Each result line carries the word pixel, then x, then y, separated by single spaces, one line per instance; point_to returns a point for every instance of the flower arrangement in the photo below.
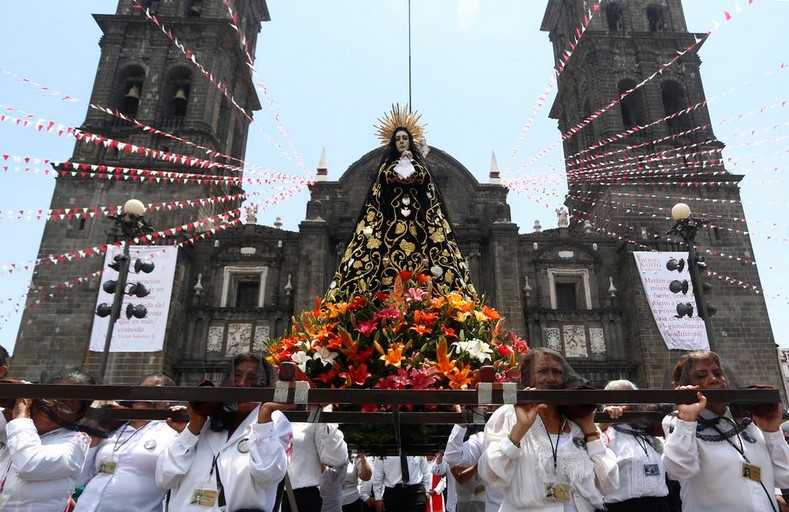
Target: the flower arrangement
pixel 414 337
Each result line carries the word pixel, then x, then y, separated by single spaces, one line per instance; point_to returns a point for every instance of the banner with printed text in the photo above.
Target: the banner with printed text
pixel 678 333
pixel 138 334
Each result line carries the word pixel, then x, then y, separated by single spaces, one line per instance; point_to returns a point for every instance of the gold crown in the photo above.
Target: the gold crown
pixel 400 118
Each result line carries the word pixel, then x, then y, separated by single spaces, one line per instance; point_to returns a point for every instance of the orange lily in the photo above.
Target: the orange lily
pixel 458 302
pixel 443 363
pixel 394 355
pixel 491 313
pixel 338 308
pixel 461 316
pixel 449 332
pixel 438 302
pixel 420 329
pixel 459 377
pixel 421 317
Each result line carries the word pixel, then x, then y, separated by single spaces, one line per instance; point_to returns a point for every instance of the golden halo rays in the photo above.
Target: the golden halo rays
pixel 400 118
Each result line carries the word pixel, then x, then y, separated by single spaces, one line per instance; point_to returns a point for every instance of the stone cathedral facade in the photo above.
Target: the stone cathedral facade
pixel 575 288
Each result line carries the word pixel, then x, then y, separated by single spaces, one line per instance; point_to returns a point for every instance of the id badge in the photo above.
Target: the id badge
pixel 651 470
pixel 107 466
pixel 478 489
pixel 557 491
pixel 752 472
pixel 203 497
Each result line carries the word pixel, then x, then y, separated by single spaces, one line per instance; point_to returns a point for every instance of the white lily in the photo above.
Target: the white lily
pixel 479 350
pixel 326 356
pixel 300 358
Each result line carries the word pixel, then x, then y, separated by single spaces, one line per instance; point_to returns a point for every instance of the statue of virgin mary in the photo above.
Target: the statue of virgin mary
pixel 403 227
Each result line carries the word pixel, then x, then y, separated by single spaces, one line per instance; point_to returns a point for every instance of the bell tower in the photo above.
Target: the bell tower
pixel 637 139
pixel 168 125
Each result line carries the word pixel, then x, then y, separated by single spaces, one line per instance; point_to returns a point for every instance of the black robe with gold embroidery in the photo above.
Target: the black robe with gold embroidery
pixel 403 225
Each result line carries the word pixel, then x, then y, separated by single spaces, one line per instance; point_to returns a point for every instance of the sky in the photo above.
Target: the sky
pixel 331 69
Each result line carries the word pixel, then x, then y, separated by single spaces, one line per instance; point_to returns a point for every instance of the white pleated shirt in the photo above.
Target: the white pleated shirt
pixel 132 485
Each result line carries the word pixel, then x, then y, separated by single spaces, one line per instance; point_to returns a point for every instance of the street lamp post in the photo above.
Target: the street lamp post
pixel 687 227
pixel 131 224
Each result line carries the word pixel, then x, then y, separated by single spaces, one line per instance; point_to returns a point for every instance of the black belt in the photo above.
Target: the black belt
pixel 405 486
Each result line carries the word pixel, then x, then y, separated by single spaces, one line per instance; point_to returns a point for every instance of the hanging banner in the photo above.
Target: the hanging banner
pixel 678 333
pixel 138 334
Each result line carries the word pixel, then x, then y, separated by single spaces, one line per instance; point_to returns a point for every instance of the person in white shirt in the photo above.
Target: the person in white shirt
pixel 462 456
pixel 438 483
pixel 359 470
pixel 313 444
pixel 723 461
pixel 366 490
pixel 400 489
pixel 234 460
pixel 332 479
pixel 44 456
pixel 642 477
pixel 124 464
pixel 470 490
pixel 544 460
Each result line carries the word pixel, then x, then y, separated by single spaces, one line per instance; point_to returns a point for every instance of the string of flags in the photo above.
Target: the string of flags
pixel 691 108
pixel 144 127
pixel 661 69
pixel 552 81
pixel 222 87
pixel 206 223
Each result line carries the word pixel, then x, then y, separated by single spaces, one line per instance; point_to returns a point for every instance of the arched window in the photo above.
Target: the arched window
pixel 151 6
pixel 632 105
pixel 176 97
pixel 675 100
pixel 129 90
pixel 194 8
pixel 614 15
pixel 656 18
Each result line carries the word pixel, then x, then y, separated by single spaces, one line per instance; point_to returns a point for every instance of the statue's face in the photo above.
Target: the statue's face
pixel 402 140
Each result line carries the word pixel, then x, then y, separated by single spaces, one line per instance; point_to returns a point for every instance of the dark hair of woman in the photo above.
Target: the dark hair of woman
pixel 571 377
pixel 226 418
pixel 685 365
pixel 76 375
pixel 159 379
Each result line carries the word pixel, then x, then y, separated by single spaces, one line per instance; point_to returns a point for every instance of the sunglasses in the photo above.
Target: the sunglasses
pixel 59 406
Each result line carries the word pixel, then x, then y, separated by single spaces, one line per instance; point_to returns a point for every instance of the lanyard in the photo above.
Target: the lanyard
pixel 641 438
pixel 555 449
pixel 219 487
pixel 117 446
pixel 740 449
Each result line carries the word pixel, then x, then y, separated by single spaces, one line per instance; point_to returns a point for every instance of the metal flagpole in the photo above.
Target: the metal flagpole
pixel 409 56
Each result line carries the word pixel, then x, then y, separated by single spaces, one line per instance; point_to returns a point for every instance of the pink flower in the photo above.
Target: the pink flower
pixel 388 314
pixel 414 294
pixel 423 378
pixel 367 327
